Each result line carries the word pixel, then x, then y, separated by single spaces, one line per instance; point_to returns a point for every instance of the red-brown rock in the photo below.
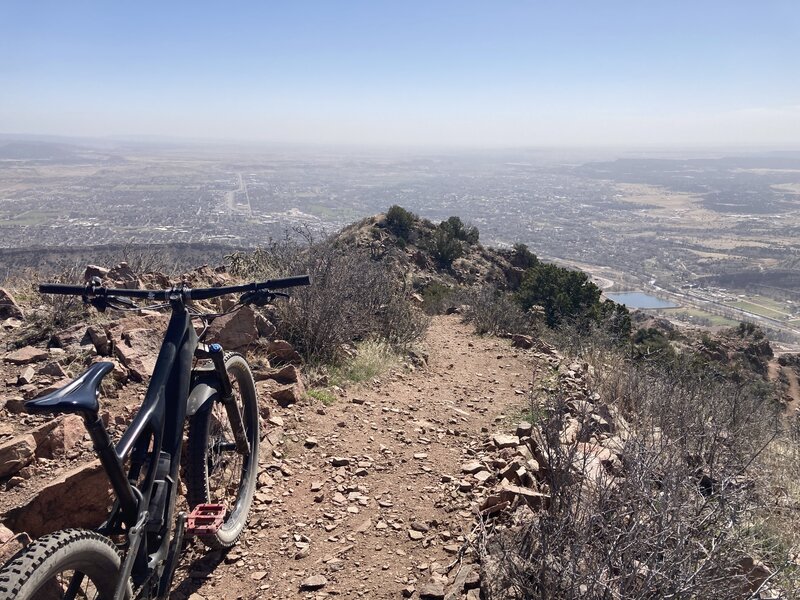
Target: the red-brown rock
pixel 9 309
pixel 235 330
pixel 89 495
pixel 16 453
pixel 26 355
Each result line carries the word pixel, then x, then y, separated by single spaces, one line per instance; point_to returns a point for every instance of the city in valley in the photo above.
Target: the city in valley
pixel 707 238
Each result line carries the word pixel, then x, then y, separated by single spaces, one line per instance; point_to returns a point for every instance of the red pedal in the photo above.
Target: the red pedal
pixel 205 519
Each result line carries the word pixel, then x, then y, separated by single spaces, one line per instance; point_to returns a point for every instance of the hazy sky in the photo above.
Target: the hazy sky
pixel 699 72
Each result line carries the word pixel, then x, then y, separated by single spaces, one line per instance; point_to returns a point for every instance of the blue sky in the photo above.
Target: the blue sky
pixel 431 73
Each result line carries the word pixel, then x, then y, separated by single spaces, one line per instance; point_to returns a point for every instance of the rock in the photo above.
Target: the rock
pixel 16 406
pixel 472 467
pixel 524 429
pixel 93 271
pixel 314 582
pixel 26 376
pixel 71 337
pixel 522 341
pixel 505 441
pixel 234 330
pixel 100 339
pixel 9 309
pixel 123 276
pixel 288 394
pixel 89 495
pixel 415 535
pixel 286 374
pixel 10 543
pixel 283 351
pixel 16 453
pixel 340 461
pixel 52 369
pixel 457 588
pixel 27 355
pixel 138 351
pixel 59 436
pixel 310 442
pixel 433 590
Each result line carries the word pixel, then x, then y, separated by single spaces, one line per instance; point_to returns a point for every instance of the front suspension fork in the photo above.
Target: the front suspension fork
pixel 228 401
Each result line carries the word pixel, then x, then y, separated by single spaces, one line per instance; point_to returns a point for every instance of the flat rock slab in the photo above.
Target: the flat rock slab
pixel 27 355
pixel 505 441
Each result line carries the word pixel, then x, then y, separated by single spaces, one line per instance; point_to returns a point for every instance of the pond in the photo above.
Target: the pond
pixel 640 300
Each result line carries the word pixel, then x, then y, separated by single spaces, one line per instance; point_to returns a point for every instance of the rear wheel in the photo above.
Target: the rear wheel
pixel 216 473
pixel 73 563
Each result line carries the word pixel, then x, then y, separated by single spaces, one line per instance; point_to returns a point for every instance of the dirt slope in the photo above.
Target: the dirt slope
pixel 381 524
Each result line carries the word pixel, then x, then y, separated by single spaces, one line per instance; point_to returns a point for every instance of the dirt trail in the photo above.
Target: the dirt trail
pixel 403 437
pixel 793 401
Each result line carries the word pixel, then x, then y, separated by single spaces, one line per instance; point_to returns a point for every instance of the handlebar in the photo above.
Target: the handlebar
pixel 185 293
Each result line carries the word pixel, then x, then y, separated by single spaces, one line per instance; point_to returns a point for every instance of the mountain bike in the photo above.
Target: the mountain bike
pixel 134 553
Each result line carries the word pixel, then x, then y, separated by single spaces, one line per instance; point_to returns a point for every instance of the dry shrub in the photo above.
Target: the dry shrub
pixel 46 314
pixel 494 312
pixel 677 518
pixel 352 297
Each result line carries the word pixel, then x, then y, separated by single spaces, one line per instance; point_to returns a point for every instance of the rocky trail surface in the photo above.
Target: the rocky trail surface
pixel 369 497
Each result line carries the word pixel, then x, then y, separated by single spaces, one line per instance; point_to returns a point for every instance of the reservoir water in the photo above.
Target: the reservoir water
pixel 640 300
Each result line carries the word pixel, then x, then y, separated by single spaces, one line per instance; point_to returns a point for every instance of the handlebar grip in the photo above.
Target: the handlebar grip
pixel 287 282
pixel 58 288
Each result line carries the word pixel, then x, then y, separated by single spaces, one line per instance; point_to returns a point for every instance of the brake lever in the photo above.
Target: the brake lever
pixel 261 297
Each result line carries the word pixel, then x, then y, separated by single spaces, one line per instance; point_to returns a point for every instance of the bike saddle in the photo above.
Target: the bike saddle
pixel 78 396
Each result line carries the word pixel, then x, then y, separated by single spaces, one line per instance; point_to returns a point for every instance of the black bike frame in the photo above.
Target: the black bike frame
pixel 145 506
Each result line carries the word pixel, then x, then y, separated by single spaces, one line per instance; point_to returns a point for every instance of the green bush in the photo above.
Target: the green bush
pixel 400 222
pixel 455 228
pixel 445 248
pixel 523 258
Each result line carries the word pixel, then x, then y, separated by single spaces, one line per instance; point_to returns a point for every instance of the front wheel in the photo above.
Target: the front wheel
pixel 73 563
pixel 215 472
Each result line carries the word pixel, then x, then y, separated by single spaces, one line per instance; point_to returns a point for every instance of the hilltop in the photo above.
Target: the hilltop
pixel 443 420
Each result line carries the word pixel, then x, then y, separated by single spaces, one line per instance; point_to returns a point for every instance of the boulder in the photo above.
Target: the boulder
pixel 93 271
pixel 283 351
pixel 89 495
pixel 16 453
pixel 100 339
pixel 58 436
pixel 286 374
pixel 27 355
pixel 522 341
pixel 124 277
pixel 71 337
pixel 235 330
pixel 9 309
pixel 138 351
pixel 288 394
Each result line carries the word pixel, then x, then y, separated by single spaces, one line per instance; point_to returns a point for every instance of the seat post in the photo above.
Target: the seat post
pixel 112 465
